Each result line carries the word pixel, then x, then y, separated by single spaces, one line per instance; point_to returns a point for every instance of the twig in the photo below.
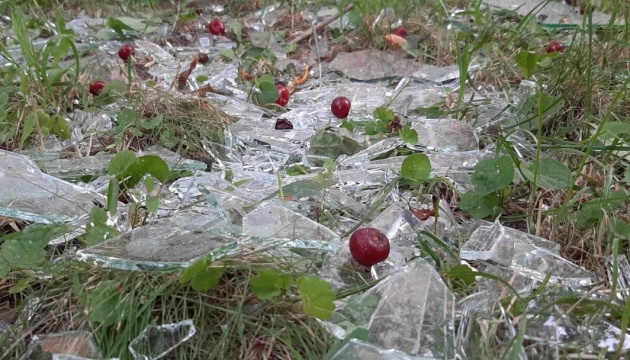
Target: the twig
pixel 319 26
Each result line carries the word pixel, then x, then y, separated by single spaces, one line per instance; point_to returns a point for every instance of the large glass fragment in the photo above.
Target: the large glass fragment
pixel 359 350
pixel 30 195
pixel 156 341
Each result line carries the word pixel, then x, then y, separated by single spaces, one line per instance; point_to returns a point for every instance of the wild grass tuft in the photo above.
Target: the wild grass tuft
pixel 115 306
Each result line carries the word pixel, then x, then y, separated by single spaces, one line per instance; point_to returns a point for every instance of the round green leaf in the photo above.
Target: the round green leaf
pixel 416 167
pixel 552 174
pixel 492 175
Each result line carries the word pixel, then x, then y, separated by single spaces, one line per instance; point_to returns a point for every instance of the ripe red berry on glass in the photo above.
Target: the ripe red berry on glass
pixel 216 27
pixel 126 51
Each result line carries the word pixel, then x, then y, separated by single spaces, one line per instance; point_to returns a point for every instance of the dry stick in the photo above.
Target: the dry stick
pixel 319 26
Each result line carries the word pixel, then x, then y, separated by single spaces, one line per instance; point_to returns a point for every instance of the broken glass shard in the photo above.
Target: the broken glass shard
pixel 609 338
pixel 97 165
pixel 555 12
pixel 273 220
pixel 156 341
pixel 445 135
pixel 374 64
pixel 168 243
pixel 173 243
pixel 619 269
pixel 30 195
pixel 292 142
pixel 488 243
pixel 528 255
pixel 359 350
pixel 419 320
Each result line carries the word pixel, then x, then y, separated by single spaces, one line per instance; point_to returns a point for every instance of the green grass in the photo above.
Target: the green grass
pixel 231 322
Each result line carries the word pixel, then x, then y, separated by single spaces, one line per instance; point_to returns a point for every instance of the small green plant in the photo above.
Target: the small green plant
pixel 316 294
pixel 385 122
pixel 39 87
pixel 267 92
pixel 25 250
pixel 128 124
pixel 490 178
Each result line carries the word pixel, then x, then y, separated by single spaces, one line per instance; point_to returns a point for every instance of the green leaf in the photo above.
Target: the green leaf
pixel 208 279
pixel 620 228
pixel 551 106
pixel 376 127
pixel 615 129
pixel 4 99
pixel 409 135
pixel 25 249
pixel 201 79
pixel 150 124
pixel 29 126
pixel 125 117
pixel 20 286
pixel 105 303
pixel 228 54
pixel 153 203
pixel 97 230
pixel 317 297
pixel 194 269
pixel 113 191
pixel 59 126
pixel 236 28
pixel 201 275
pixel 383 113
pixel 122 24
pixel 416 168
pixel 347 125
pixel 169 139
pixel 119 164
pixel 480 206
pixel 270 283
pixel 4 269
pixel 330 167
pixel 118 26
pixel 553 174
pixel 333 142
pixel 22 254
pixel 527 62
pixel 463 272
pixel 268 93
pixel 149 183
pixel 147 164
pixel 492 175
pixel 355 18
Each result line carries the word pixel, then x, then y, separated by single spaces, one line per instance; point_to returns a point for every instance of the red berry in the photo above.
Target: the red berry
pixel 401 32
pixel 555 46
pixel 283 124
pixel 126 51
pixel 96 87
pixel 585 9
pixel 198 11
pixel 340 107
pixel 369 246
pixel 203 58
pixel 216 27
pixel 283 95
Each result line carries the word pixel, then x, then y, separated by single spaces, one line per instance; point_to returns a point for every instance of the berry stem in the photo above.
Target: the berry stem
pixel 129 74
